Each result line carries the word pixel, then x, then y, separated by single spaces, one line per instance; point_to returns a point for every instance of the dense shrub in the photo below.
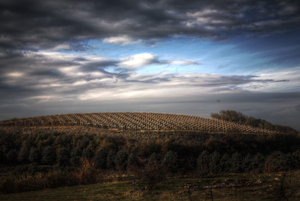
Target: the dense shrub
pixel 35 156
pixel 88 154
pixel 76 156
pixel 279 161
pixel 63 156
pixel 203 163
pixel 257 164
pixel 111 159
pixel 49 155
pixel 132 160
pixel 170 162
pixel 121 160
pixel 100 159
pixel 236 163
pixel 214 163
pixel 23 155
pixel 12 156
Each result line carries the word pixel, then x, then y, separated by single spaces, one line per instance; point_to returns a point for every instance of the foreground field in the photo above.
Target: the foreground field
pixel 231 187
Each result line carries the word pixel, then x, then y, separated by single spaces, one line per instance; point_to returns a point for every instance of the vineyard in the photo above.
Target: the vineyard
pixel 135 121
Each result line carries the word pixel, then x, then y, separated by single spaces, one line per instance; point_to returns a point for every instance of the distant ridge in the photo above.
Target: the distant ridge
pixel 136 121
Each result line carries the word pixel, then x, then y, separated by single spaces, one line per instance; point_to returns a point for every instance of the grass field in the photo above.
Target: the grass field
pixel 232 187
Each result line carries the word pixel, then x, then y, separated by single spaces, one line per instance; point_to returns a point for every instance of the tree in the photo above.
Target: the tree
pixel 35 156
pixel 132 160
pixel 63 156
pixel 49 155
pixel 257 164
pixel 152 173
pixel 88 154
pixel 236 163
pixel 111 159
pixel 75 157
pixel 101 159
pixel 12 156
pixel 214 163
pixel 23 155
pixel 153 157
pixel 203 163
pixel 121 160
pixel 170 162
pixel 279 161
pixel 225 163
pixel 2 158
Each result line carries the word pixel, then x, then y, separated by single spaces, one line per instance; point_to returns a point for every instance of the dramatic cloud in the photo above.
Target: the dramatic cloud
pixel 122 40
pixel 109 51
pixel 39 24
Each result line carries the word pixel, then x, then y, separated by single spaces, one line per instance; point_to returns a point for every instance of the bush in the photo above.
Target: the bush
pixel 258 163
pixel 225 163
pixel 214 163
pixel 153 157
pixel 76 156
pixel 132 160
pixel 101 159
pixel 88 154
pixel 63 157
pixel 203 163
pixel 35 156
pixel 170 162
pixel 111 159
pixel 12 156
pixel 49 155
pixel 2 158
pixel 279 161
pixel 236 163
pixel 121 160
pixel 23 155
pixel 152 173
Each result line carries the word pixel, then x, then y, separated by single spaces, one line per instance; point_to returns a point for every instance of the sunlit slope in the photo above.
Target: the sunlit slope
pixel 135 121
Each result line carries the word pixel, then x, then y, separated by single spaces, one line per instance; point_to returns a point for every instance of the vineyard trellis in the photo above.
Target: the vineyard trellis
pixel 136 121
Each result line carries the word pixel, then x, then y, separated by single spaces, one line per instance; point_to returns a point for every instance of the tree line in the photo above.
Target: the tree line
pixel 238 117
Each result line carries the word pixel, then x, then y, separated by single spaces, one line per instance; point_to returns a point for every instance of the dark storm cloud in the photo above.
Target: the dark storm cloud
pixel 33 24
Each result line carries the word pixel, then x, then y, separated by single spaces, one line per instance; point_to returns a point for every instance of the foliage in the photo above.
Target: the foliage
pixel 238 117
pixel 88 154
pixel 203 163
pixel 12 156
pixel 152 174
pixel 170 162
pixel 49 155
pixel 23 155
pixel 111 159
pixel 132 160
pixel 121 160
pixel 63 156
pixel 76 156
pixel 100 159
pixel 279 161
pixel 35 155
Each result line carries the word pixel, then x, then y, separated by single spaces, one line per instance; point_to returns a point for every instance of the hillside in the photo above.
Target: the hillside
pixel 135 121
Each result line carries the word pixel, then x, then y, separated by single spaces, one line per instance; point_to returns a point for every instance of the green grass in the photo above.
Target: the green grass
pixel 170 189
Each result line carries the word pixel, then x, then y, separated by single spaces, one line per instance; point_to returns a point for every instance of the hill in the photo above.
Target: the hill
pixel 137 121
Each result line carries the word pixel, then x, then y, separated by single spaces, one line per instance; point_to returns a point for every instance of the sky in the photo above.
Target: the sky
pixel 189 57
